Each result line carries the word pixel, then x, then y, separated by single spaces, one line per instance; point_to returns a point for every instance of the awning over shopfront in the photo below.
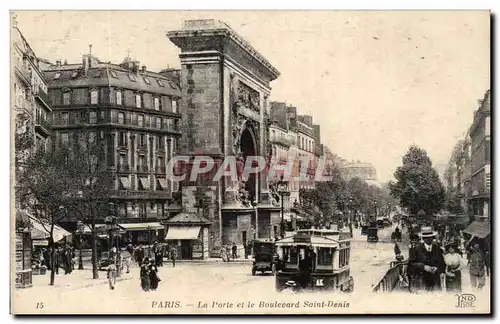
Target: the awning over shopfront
pixel 142 226
pixel 183 232
pixel 41 231
pixel 162 183
pixel 144 183
pixel 478 229
pixel 125 182
pixel 98 228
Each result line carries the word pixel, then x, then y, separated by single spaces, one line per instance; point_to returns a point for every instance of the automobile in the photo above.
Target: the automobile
pixel 372 236
pixel 263 256
pixel 308 261
pixel 364 228
pixel 386 222
pixel 104 261
pixel 372 232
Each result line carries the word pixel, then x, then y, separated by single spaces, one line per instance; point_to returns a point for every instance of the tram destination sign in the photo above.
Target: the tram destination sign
pixel 301 238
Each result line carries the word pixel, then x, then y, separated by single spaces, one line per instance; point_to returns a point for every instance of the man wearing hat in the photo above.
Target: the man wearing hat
pixel 426 262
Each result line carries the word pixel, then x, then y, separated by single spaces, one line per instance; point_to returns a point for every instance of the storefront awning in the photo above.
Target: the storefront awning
pixel 144 183
pixel 478 229
pixel 162 183
pixel 183 232
pixel 88 230
pixel 59 233
pixel 125 182
pixel 142 226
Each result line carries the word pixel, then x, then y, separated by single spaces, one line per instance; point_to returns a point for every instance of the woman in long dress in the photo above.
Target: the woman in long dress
pixel 454 265
pixel 145 277
pixel 153 275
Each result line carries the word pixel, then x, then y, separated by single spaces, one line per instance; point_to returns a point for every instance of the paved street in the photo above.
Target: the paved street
pixel 192 284
pixel 369 261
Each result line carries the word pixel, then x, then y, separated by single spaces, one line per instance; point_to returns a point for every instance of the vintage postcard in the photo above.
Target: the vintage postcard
pixel 250 162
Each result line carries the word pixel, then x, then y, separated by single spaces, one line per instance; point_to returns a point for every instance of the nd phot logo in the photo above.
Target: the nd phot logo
pixel 465 300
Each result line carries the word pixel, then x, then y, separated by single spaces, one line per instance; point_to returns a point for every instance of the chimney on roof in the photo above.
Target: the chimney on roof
pixel 58 63
pixel 85 64
pixel 65 62
pixel 143 68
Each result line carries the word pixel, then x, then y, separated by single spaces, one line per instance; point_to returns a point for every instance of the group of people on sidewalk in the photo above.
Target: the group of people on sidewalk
pixel 149 279
pixel 63 257
pixel 433 265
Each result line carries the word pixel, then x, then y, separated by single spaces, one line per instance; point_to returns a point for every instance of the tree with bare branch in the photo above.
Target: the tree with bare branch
pixel 42 186
pixel 68 181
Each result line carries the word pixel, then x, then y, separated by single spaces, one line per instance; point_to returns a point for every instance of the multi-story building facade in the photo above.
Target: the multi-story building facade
pixel 465 169
pixel 29 105
pixel 284 147
pixel 307 146
pixel 469 172
pixel 480 135
pixel 136 113
pixel 30 100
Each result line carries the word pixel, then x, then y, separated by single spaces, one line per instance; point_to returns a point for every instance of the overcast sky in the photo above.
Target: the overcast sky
pixel 376 81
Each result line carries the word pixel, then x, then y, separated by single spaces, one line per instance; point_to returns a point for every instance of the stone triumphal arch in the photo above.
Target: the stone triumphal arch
pixel 226 87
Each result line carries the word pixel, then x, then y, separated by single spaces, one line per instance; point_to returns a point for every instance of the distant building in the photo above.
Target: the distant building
pixel 362 170
pixel 293 136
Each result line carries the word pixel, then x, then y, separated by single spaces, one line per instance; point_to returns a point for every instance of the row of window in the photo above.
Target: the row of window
pixel 78 96
pixel 306 144
pixel 142 164
pixel 121 118
pixel 131 77
pixel 123 139
pixel 142 209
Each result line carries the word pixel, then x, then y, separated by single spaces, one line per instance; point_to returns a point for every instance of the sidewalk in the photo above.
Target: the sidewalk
pixel 78 279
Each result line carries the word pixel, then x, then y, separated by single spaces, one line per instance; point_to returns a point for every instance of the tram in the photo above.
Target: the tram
pixel 314 260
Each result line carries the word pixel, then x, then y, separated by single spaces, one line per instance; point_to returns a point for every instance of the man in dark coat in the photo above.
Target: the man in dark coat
pixel 426 262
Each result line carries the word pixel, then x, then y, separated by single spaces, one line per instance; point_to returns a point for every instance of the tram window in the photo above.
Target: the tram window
pixel 325 256
pixel 343 258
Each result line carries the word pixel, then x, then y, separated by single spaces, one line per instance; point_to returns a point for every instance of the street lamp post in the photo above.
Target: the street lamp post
pixel 349 215
pixel 79 230
pixel 149 241
pixel 256 211
pixel 112 226
pixel 282 190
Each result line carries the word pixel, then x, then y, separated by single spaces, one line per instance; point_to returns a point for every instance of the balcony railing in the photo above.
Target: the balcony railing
pixel 24 74
pixel 281 140
pixel 161 170
pixel 144 194
pixel 123 167
pixel 42 96
pixel 142 146
pixel 42 125
pixel 115 120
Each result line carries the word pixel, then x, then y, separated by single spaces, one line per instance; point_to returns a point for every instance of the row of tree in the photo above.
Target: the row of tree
pixel 331 199
pixel 68 181
pixel 417 188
